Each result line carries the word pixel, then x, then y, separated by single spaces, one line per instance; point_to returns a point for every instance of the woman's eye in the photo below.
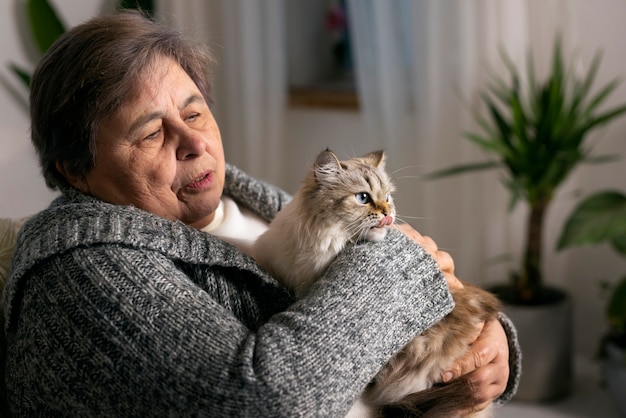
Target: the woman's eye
pixel 153 135
pixel 362 197
pixel 192 117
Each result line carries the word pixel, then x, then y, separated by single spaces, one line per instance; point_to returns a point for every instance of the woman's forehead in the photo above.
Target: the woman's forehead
pixel 162 77
pixel 161 89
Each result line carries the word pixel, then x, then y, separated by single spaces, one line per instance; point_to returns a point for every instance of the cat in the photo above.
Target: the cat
pixel 343 202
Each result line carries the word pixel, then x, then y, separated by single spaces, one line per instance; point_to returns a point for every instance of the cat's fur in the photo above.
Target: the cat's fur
pixel 341 202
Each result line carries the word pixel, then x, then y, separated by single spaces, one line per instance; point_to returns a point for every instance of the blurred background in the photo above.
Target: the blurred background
pixel 297 76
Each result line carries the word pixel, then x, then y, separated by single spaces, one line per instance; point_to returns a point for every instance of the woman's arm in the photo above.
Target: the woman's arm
pixel 113 329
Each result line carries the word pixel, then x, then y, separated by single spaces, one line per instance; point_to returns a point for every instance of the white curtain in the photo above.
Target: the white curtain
pixel 247 37
pixel 419 65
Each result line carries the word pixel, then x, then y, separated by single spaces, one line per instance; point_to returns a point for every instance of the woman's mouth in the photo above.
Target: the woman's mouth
pixel 201 182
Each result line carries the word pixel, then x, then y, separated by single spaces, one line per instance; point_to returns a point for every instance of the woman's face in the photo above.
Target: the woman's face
pixel 162 152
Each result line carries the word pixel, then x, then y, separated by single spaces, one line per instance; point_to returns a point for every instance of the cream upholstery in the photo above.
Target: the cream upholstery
pixel 8 235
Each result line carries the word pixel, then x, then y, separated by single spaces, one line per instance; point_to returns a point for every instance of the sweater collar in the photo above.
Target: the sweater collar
pixel 78 220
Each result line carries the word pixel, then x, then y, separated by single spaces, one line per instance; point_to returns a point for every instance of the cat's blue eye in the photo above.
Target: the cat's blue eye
pixel 362 197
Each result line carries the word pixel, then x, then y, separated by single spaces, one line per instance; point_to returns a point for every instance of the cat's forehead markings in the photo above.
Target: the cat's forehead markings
pixel 368 179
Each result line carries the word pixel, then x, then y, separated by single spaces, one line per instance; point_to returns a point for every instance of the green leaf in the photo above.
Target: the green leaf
pixel 599 218
pixel 581 90
pixel 489 145
pixel 604 118
pixel 463 169
pixel 501 141
pixel 619 244
pixel 601 159
pixel 20 73
pixel 616 308
pixel 143 5
pixel 516 194
pixel 45 24
pixel 599 98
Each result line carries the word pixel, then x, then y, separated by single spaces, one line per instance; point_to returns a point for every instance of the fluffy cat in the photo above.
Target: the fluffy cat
pixel 341 202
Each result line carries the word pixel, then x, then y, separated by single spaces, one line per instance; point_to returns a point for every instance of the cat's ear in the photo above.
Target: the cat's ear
pixel 328 160
pixel 376 158
pixel 326 166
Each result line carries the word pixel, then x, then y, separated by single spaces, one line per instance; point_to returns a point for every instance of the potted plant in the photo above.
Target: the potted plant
pixel 601 218
pixel 535 133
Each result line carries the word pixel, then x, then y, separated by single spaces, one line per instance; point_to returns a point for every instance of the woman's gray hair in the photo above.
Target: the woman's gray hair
pixel 88 73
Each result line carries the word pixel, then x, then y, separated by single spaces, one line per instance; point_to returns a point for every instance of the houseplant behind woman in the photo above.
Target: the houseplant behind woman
pixel 536 135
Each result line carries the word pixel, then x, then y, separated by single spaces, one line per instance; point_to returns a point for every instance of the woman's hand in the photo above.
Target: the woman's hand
pixel 486 365
pixel 443 258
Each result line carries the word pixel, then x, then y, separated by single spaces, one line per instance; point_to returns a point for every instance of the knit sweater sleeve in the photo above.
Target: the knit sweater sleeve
pixel 121 330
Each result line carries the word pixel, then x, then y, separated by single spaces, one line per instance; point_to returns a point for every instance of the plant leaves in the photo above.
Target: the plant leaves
pixel 599 98
pixel 581 90
pixel 604 118
pixel 146 6
pixel 538 137
pixel 45 24
pixel 536 134
pixel 619 244
pixel 599 218
pixel 616 308
pixel 601 159
pixel 490 145
pixel 20 73
pixel 462 169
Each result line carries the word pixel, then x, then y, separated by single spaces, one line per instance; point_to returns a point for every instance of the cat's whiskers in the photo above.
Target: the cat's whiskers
pixel 356 228
pixel 408 167
pixel 416 177
pixel 403 218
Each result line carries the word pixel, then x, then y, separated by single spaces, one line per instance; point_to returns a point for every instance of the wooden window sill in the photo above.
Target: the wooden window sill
pixel 323 98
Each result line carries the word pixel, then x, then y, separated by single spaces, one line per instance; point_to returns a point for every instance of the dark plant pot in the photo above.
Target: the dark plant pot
pixel 545 335
pixel 614 368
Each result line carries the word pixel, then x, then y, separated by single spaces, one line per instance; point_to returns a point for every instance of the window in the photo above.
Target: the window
pixel 319 54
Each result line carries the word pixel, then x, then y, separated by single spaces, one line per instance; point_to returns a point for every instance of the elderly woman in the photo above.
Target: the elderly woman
pixel 120 303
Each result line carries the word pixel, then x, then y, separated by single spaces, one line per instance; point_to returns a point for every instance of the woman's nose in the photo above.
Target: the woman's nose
pixel 190 144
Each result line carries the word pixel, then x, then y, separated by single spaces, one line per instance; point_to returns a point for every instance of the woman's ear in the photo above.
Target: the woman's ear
pixel 78 182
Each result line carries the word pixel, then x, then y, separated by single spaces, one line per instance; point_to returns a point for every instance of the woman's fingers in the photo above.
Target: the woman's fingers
pixel 453 281
pixel 443 258
pixel 486 365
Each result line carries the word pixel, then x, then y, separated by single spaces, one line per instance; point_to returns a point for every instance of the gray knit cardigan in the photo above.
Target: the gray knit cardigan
pixel 111 311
